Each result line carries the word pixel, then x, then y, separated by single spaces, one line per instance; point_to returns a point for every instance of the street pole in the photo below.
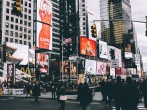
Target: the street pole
pixel 62 59
pixel 146 27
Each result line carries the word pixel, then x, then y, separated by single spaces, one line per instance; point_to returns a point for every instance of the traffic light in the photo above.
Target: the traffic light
pixel 94 31
pixel 17 8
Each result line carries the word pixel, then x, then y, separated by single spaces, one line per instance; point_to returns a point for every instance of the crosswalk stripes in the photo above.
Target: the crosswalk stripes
pixel 140 107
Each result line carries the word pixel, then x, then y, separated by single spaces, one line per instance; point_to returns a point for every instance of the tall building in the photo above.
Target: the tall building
pixel 113 30
pixel 19 29
pixel 72 24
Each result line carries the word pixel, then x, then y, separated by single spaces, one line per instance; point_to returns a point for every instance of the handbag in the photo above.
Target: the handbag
pixel 63 97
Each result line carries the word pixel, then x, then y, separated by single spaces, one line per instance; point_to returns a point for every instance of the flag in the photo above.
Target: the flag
pixel 68 40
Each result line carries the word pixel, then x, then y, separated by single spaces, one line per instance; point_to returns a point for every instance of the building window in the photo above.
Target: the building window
pixel 11 33
pixel 25 3
pixel 12 19
pixel 6 39
pixel 29 17
pixel 8 4
pixel 30 5
pixel 11 39
pixel 16 34
pixel 25 9
pixel 16 20
pixel 25 42
pixel 7 18
pixel 21 22
pixel 25 36
pixel 25 29
pixel 20 41
pixel 25 23
pixel 29 11
pixel 16 27
pixel 16 41
pixel 29 24
pixel 20 35
pixel 7 10
pixel 29 30
pixel 25 16
pixel 6 32
pixel 20 28
pixel 29 37
pixel 7 25
pixel 12 26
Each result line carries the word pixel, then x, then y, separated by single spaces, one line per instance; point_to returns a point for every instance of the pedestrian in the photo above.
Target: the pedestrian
pixel 130 95
pixel 118 89
pixel 53 90
pixel 36 91
pixel 143 89
pixel 61 92
pixel 85 97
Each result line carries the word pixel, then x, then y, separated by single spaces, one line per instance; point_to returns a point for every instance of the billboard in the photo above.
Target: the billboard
pixel 66 70
pixel 44 11
pixel 101 68
pixel 131 71
pixel 42 60
pixel 44 29
pixel 44 36
pixel 73 70
pixel 114 54
pixel 87 46
pixel 103 49
pixel 90 66
pixel 128 55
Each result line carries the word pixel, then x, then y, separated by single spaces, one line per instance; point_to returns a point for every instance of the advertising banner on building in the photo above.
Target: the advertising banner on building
pixel 114 54
pixel 101 68
pixel 44 36
pixel 11 73
pixel 73 70
pixel 66 70
pixel 103 49
pixel 90 66
pixel 87 46
pixel 131 71
pixel 44 23
pixel 42 60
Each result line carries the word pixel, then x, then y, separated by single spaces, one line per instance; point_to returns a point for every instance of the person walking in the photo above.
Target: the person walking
pixel 85 97
pixel 130 95
pixel 36 91
pixel 143 89
pixel 61 92
pixel 53 90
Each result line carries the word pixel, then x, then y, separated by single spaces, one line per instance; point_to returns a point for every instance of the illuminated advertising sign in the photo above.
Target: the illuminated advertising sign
pixel 114 54
pixel 87 46
pixel 44 29
pixel 73 70
pixel 103 49
pixel 10 73
pixel 90 66
pixel 101 68
pixel 42 60
pixel 66 70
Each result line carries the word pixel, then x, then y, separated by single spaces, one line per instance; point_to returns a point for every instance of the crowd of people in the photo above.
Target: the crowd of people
pixel 126 94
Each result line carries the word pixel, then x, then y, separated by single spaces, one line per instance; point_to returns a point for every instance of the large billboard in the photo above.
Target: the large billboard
pixel 87 46
pixel 90 66
pixel 42 60
pixel 44 23
pixel 103 49
pixel 114 54
pixel 44 36
pixel 66 70
pixel 101 68
pixel 73 70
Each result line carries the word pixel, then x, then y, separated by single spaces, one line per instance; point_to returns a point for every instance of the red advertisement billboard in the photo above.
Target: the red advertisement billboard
pixel 44 23
pixel 87 46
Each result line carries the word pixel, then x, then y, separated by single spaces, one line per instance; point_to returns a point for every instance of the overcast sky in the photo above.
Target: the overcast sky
pixel 139 11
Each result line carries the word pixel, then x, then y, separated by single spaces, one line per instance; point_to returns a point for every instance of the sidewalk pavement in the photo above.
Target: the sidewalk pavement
pixel 96 96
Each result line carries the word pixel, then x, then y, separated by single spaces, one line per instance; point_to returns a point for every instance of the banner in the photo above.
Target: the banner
pixel 44 26
pixel 10 73
pixel 73 70
pixel 103 50
pixel 101 68
pixel 90 66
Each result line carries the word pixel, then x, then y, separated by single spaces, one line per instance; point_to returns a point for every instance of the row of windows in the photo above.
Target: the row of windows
pixel 16 41
pixel 24 29
pixel 25 4
pixel 16 34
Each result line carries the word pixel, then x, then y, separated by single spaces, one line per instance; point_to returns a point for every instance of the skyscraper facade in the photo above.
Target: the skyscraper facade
pixel 113 29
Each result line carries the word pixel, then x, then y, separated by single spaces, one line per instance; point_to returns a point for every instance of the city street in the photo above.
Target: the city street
pixel 7 103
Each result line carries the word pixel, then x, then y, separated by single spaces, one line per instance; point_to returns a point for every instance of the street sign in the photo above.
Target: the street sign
pixel 114 63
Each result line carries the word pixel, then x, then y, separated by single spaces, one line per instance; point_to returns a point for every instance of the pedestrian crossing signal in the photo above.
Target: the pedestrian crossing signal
pixel 94 31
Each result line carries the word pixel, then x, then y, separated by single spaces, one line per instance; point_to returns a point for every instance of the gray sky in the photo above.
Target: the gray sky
pixel 139 11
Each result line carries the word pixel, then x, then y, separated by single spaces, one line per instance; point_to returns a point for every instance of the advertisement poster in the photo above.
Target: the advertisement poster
pixel 44 29
pixel 87 46
pixel 103 50
pixel 114 54
pixel 10 73
pixel 73 70
pixel 44 36
pixel 90 66
pixel 101 68
pixel 42 60
pixel 66 69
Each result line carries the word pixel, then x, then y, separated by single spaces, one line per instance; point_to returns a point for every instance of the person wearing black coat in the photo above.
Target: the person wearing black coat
pixel 143 88
pixel 85 96
pixel 36 91
pixel 130 95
